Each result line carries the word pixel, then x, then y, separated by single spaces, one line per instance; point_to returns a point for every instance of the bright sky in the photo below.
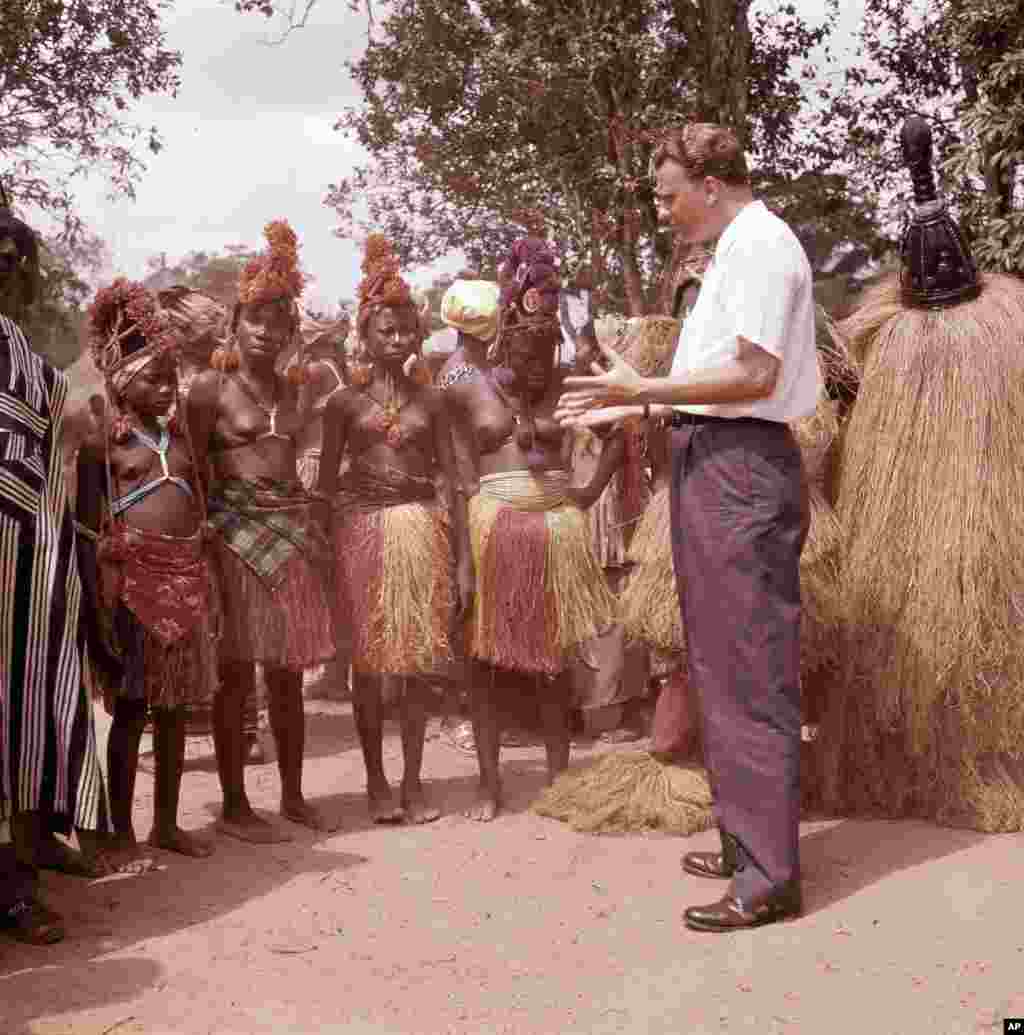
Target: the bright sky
pixel 249 138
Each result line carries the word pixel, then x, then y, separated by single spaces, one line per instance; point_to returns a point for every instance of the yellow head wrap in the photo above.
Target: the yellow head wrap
pixel 472 307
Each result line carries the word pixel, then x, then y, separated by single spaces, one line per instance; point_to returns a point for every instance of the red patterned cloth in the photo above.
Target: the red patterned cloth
pixel 165 617
pixel 164 581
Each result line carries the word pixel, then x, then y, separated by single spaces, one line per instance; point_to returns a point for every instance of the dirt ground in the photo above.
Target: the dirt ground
pixel 518 927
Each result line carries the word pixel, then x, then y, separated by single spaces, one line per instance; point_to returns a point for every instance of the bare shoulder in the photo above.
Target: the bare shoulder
pixel 205 389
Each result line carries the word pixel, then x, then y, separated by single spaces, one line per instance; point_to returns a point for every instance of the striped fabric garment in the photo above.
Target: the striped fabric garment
pixel 48 759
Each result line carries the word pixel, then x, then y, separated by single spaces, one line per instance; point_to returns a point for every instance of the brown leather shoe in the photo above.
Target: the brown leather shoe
pixel 707 864
pixel 720 865
pixel 32 923
pixel 731 914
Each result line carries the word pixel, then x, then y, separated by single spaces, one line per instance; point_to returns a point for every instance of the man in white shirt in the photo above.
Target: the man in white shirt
pixel 745 366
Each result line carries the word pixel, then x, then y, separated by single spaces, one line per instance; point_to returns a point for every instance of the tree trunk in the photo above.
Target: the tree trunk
pixel 632 282
pixel 719 32
pixel 726 40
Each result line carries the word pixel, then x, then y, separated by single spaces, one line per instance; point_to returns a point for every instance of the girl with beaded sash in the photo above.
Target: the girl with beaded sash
pixel 150 584
pixel 403 567
pixel 245 419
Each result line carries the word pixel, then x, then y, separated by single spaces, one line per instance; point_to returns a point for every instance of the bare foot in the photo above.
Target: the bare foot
pixel 301 812
pixel 177 840
pixel 384 808
pixel 485 808
pixel 247 826
pixel 124 855
pixel 417 809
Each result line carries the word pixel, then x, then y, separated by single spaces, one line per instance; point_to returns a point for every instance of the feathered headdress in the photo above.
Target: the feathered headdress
pixel 121 313
pixel 124 314
pixel 530 288
pixel 383 287
pixel 275 272
pixel 273 275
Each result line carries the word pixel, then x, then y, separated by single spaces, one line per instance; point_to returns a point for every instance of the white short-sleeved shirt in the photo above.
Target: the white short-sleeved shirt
pixel 759 287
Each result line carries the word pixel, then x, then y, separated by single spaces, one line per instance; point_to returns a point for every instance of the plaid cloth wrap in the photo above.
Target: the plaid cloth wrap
pixel 266 522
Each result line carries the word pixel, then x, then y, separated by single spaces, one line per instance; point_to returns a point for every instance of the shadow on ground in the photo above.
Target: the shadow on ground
pixel 41 984
pixel 846 856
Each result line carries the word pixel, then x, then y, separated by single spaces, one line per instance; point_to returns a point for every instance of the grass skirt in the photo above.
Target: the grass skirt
pixel 541 594
pixel 289 626
pixel 395 591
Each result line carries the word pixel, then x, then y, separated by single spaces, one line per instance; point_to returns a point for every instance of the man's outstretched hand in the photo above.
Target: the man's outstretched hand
pixel 602 398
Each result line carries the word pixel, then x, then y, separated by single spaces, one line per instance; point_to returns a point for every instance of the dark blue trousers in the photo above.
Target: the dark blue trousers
pixel 739 520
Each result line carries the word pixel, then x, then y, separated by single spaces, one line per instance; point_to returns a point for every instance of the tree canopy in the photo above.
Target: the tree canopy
pixel 486 119
pixel 68 71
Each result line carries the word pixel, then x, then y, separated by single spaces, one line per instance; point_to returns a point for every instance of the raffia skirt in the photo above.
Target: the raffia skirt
pixel 288 626
pixel 541 594
pixel 394 587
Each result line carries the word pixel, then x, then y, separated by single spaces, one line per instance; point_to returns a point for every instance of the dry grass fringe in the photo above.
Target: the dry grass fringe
pixel 933 553
pixel 839 367
pixel 416 590
pixel 626 791
pixel 577 601
pixel 649 605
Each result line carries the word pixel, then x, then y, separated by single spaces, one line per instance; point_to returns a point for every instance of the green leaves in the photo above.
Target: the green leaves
pixel 476 114
pixel 67 69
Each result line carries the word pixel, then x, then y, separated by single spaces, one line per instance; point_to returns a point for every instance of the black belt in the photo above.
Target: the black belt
pixel 686 420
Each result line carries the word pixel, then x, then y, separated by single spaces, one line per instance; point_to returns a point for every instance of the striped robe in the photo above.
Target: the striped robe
pixel 48 758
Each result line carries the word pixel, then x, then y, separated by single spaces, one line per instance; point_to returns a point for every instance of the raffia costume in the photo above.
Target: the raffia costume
pixel 928 716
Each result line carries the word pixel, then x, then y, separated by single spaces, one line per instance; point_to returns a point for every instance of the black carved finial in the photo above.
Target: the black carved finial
pixel 938 269
pixel 916 141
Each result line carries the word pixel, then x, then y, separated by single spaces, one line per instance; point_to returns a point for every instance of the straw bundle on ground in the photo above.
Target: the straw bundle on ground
pixel 928 716
pixel 630 791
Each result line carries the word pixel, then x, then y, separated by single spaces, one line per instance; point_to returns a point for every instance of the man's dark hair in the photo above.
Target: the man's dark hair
pixel 704 149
